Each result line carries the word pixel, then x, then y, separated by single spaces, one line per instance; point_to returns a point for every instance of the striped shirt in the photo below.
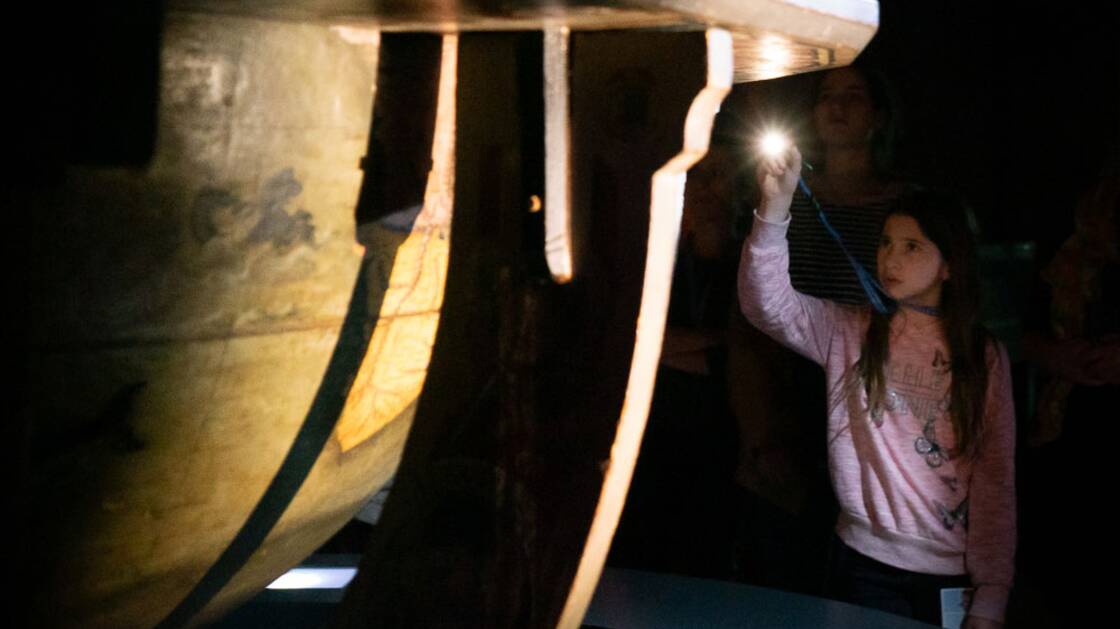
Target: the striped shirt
pixel 818 266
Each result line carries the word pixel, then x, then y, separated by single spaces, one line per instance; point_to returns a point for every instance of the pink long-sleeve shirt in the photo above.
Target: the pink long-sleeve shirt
pixel 906 499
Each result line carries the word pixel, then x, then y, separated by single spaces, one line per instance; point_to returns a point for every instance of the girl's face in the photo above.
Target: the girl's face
pixel 911 268
pixel 844 114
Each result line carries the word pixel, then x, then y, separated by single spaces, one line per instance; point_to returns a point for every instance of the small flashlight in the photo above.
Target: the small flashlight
pixel 773 143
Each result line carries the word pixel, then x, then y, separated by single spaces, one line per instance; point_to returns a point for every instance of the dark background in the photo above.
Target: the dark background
pixel 1014 105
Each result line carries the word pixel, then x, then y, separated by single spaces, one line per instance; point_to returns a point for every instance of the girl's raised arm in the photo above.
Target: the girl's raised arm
pixel 766 296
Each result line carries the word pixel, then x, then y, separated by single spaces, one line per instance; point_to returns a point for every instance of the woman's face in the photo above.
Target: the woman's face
pixel 844 114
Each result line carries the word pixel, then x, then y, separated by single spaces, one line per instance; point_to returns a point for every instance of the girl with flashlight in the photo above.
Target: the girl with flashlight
pixel 920 420
pixel 786 503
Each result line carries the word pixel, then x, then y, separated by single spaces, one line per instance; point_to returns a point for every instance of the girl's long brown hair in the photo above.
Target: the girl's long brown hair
pixel 943 220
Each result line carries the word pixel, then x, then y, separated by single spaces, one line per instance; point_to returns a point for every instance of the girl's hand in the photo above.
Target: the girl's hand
pixel 975 622
pixel 777 181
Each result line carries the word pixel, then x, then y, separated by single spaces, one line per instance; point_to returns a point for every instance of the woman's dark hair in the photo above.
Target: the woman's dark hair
pixel 885 101
pixel 943 219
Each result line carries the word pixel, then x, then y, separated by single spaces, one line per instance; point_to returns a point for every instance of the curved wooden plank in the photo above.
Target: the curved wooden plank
pixel 401 346
pixel 504 468
pixel 666 207
pixel 184 316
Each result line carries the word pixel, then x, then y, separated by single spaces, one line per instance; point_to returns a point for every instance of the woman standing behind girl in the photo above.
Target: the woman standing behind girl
pixel 920 421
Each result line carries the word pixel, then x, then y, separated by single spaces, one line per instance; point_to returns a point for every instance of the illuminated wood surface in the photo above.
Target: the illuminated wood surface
pixel 772 37
pixel 185 315
pixel 666 208
pixel 517 464
pixel 557 155
pixel 393 372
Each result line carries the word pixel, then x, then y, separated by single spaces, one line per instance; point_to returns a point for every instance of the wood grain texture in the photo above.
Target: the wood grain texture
pixel 184 317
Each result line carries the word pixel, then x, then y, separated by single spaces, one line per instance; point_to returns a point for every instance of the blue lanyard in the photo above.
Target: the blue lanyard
pixel 871 287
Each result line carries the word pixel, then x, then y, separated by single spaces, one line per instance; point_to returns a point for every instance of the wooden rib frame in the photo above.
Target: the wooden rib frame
pixel 666 206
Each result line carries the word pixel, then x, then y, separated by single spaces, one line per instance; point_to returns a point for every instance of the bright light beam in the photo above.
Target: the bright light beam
pixel 773 143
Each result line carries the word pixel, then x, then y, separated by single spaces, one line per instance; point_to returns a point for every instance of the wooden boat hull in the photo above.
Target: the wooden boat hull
pixel 218 371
